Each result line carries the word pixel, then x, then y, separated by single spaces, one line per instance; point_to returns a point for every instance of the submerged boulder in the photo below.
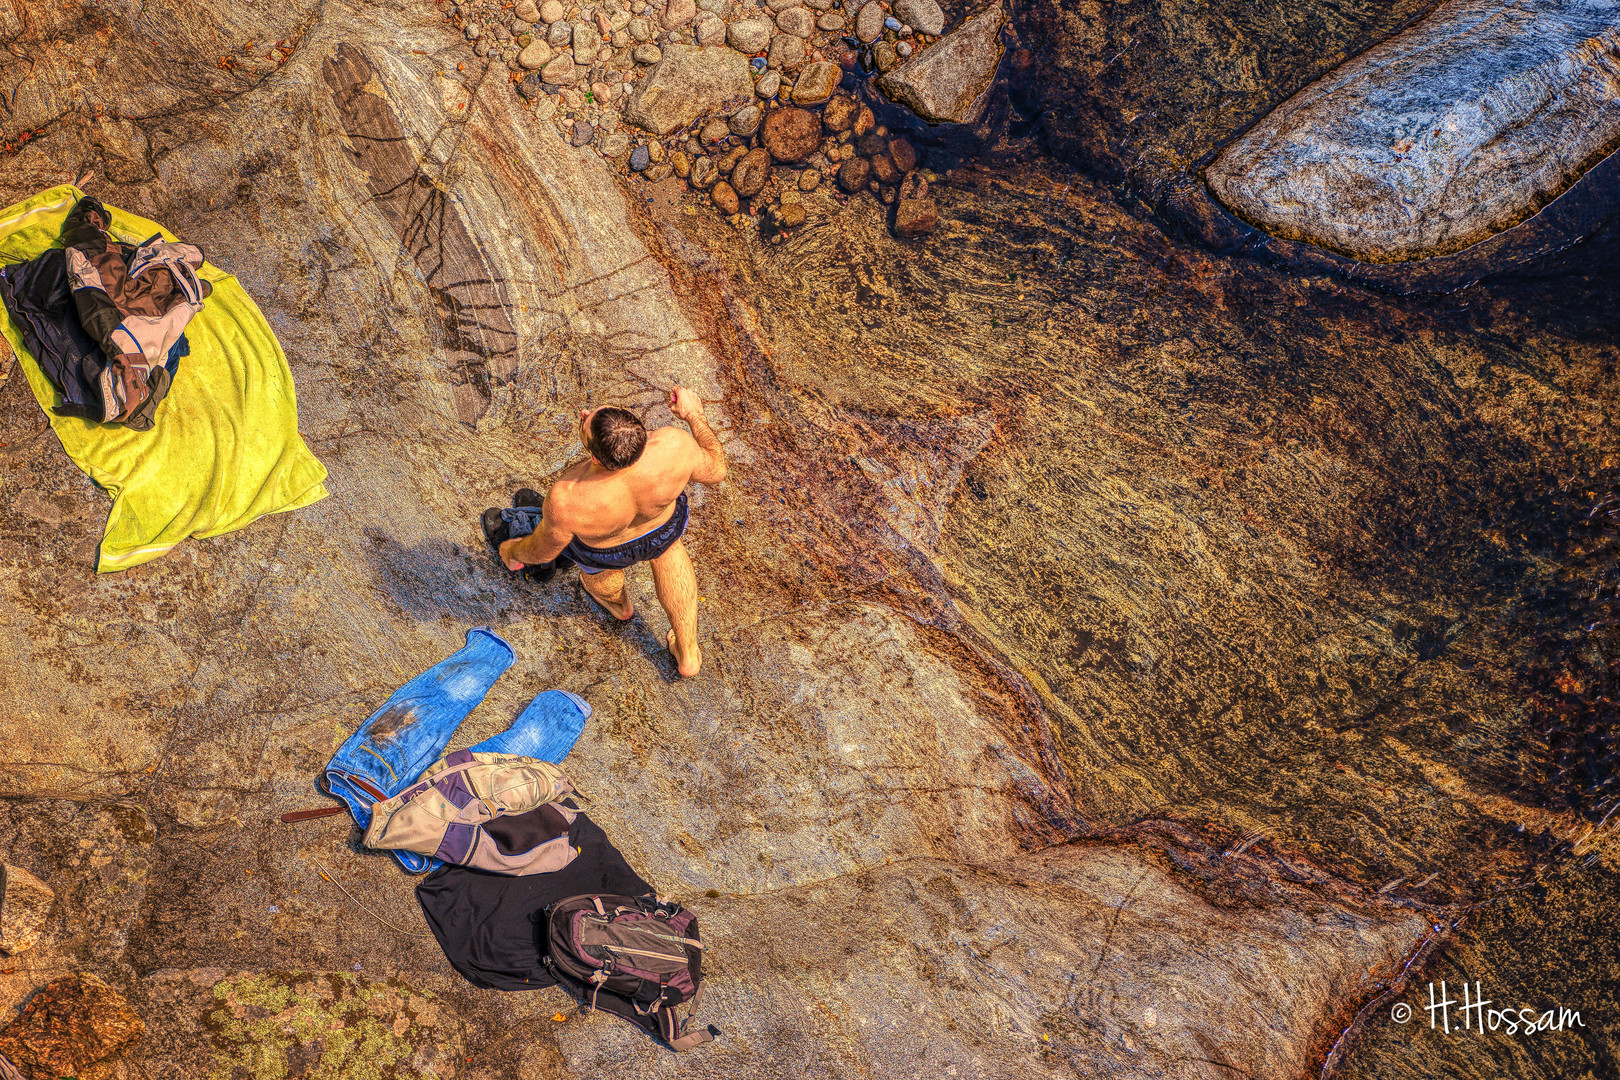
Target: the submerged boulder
pixel 69 1027
pixel 1459 128
pixel 948 83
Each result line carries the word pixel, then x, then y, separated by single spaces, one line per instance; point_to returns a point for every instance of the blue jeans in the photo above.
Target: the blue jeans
pixel 409 733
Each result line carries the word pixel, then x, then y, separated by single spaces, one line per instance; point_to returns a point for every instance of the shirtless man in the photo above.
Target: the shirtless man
pixel 627 504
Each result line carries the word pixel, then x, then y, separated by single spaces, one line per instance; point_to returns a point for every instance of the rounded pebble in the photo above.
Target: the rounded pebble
pixel 809 180
pixel 640 158
pixel 552 11
pixel 768 84
pixel 745 121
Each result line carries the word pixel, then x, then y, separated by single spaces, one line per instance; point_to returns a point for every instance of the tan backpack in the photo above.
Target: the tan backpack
pixel 496 812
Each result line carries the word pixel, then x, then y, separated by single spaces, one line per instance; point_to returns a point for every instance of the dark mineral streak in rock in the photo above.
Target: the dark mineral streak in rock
pixel 475 327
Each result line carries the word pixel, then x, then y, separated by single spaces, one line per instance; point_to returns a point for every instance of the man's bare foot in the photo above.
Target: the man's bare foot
pixel 687 667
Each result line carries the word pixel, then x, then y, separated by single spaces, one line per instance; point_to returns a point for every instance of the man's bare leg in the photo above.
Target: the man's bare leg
pixel 677 592
pixel 607 589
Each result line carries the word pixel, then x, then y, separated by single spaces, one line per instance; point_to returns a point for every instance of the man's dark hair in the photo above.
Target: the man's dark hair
pixel 617 437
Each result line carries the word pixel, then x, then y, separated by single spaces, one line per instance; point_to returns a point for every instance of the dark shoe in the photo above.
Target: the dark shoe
pixel 496 530
pixel 528 497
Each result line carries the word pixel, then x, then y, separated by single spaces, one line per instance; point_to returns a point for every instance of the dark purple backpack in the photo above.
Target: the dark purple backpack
pixel 637 957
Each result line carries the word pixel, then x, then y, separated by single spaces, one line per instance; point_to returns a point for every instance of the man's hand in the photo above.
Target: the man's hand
pixel 506 547
pixel 685 404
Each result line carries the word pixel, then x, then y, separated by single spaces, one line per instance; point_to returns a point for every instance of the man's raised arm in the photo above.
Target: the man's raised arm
pixel 711 467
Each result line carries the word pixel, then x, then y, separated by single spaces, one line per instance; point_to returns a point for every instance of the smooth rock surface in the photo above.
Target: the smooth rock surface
pixel 947 83
pixel 1459 128
pixel 690 81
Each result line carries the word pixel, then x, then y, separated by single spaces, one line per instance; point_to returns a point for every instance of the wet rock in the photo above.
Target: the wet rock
pixel 745 121
pixel 903 153
pixel 839 115
pixel 864 121
pixel 871 143
pixel 725 198
pixel 1457 129
pixel 714 131
pixel 809 180
pixel 913 186
pixel 768 84
pixel 816 82
pixel 750 35
pixel 853 174
pixel 677 13
pixel 71 1026
pixel 796 21
pixel 948 82
pixel 869 21
pixel 690 81
pixel 915 217
pixel 788 215
pixel 531 88
pixel 647 54
pixel 750 174
pixel 883 169
pixel 791 134
pixel 924 16
pixel 640 159
pixel 681 163
pixel 561 71
pixel 786 51
pixel 535 55
pixel 884 56
pixel 552 11
pixel 705 173
pixel 831 22
pixel 24 907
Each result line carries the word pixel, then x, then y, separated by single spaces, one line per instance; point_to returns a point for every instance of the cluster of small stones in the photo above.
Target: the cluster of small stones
pixel 579 63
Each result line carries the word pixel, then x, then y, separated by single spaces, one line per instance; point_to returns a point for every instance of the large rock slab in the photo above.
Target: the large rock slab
pixel 1457 129
pixel 690 81
pixel 1083 960
pixel 948 82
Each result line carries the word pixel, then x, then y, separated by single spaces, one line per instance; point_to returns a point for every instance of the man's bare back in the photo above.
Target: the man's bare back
pixel 603 509
pixel 609 518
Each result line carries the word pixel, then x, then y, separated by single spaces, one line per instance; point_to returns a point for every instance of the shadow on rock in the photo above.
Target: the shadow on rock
pixel 439 579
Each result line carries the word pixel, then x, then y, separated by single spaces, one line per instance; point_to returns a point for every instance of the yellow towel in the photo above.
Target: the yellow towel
pixel 226 449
